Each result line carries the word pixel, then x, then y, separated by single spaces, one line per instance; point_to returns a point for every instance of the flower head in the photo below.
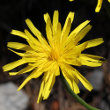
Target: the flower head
pixel 58 53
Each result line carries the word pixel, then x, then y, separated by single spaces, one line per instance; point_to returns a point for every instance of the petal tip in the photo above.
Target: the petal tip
pixel 12 31
pixel 4 68
pixel 19 89
pixel 71 0
pixel 27 20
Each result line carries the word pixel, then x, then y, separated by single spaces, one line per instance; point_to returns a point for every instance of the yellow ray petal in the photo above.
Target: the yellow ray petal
pixel 99 5
pixel 90 60
pixel 48 66
pixel 93 58
pixel 77 30
pixel 54 67
pixel 58 31
pixel 46 17
pixel 67 76
pixel 108 0
pixel 34 46
pixel 90 63
pixel 19 33
pixel 57 35
pixel 76 88
pixel 53 82
pixel 72 61
pixel 68 73
pixel 24 70
pixel 65 31
pixel 83 80
pixel 55 21
pixel 48 28
pixel 82 33
pixel 39 63
pixel 49 31
pixel 74 38
pixel 48 86
pixel 35 41
pixel 20 54
pixel 35 31
pixel 70 16
pixel 67 25
pixel 43 65
pixel 18 46
pixel 75 79
pixel 81 47
pixel 46 76
pixel 94 42
pixel 57 71
pixel 40 93
pixel 70 56
pixel 30 59
pixel 13 65
pixel 34 74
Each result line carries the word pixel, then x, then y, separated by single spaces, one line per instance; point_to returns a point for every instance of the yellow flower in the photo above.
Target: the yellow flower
pixel 58 53
pixel 99 5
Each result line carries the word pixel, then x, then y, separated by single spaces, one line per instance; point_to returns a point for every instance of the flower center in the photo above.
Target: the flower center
pixel 54 55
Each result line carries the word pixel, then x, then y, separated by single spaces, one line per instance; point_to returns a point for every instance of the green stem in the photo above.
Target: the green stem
pixel 79 99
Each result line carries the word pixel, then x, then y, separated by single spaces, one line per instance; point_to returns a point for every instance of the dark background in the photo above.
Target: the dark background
pixel 12 16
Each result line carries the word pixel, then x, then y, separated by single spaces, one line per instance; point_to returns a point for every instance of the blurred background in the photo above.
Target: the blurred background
pixel 12 16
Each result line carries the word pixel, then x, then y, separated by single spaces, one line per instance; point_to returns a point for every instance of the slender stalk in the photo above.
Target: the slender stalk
pixel 79 99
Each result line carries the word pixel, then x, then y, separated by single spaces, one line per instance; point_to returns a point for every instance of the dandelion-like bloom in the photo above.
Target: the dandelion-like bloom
pixel 58 53
pixel 99 5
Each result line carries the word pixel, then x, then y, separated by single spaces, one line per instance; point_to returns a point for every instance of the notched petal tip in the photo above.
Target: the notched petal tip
pixel 94 42
pixel 13 73
pixel 76 92
pixel 71 0
pixel 27 20
pixel 11 31
pixel 4 68
pixel 97 10
pixel 18 33
pixel 38 102
pixel 13 65
pixel 90 88
pixel 56 11
pixel 46 17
